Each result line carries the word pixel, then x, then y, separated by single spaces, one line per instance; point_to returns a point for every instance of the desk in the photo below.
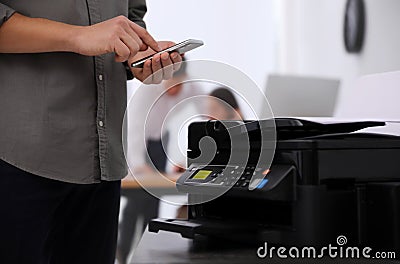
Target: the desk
pixel 141 206
pixel 150 181
pixel 165 247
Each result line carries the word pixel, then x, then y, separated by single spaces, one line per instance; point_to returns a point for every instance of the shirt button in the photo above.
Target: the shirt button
pixel 101 123
pixel 101 77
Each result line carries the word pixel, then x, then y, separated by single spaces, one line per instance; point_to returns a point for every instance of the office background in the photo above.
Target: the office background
pixel 294 37
pixel 289 37
pixel 303 37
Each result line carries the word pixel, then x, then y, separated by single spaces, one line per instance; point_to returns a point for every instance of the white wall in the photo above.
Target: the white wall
pixel 311 34
pixel 240 33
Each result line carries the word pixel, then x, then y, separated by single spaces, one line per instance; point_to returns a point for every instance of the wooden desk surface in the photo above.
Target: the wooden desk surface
pixel 150 181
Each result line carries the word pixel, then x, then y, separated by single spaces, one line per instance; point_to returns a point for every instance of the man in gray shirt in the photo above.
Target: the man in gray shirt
pixel 63 71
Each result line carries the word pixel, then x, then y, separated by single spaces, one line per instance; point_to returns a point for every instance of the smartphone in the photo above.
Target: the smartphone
pixel 181 48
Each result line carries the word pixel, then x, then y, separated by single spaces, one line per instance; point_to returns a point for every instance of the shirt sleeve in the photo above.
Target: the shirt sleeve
pixel 137 10
pixel 5 13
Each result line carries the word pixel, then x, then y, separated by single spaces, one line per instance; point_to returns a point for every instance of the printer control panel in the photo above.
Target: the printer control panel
pixel 224 176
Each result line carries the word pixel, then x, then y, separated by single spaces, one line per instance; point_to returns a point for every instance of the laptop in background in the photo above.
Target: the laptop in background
pixel 296 96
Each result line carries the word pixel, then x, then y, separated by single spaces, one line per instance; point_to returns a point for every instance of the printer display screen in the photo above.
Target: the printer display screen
pixel 201 175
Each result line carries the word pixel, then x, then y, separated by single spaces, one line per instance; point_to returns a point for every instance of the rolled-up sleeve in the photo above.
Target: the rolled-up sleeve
pixel 5 13
pixel 137 10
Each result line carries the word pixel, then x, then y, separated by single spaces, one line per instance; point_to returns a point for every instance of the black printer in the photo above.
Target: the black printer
pixel 324 181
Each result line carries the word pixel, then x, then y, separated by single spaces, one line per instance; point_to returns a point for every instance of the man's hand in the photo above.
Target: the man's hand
pixel 118 35
pixel 21 34
pixel 163 66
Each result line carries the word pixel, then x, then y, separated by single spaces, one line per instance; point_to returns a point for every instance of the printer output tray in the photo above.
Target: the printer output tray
pixel 192 227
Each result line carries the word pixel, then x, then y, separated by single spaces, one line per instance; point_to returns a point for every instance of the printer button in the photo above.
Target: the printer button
pixel 217 180
pixel 262 184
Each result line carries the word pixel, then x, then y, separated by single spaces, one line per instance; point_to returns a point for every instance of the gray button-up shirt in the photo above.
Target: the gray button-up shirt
pixel 61 113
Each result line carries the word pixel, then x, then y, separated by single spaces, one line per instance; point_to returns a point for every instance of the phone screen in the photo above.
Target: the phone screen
pixel 155 53
pixel 181 48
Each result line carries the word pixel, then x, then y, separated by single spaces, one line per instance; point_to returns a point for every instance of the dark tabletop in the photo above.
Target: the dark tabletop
pixel 166 247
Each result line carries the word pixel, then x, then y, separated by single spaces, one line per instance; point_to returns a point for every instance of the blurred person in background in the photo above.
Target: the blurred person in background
pixel 223 105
